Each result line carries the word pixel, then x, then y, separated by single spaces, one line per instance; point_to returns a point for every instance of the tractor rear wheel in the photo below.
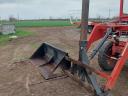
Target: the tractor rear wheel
pixel 104 57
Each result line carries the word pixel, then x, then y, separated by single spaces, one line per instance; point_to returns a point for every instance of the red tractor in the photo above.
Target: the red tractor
pixel 113 46
pixel 112 51
pixel 123 18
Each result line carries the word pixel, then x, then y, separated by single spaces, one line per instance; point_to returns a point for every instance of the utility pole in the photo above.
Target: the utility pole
pixel 0 20
pixel 109 13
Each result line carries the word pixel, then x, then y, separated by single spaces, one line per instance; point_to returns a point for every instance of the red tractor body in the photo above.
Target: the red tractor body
pixel 119 40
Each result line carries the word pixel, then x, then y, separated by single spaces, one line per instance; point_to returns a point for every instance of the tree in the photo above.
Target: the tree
pixel 11 19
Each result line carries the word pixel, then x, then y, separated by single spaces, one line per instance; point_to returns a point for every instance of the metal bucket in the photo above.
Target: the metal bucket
pixel 48 58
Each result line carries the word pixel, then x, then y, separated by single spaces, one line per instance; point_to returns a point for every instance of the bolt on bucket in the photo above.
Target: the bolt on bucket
pixel 49 58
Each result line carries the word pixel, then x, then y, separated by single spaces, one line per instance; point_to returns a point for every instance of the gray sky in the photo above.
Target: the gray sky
pixel 29 9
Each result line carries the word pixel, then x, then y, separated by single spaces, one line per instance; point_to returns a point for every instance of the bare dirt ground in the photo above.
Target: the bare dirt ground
pixel 23 79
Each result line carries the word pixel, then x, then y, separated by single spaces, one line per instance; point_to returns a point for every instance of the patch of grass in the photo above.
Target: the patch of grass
pixel 4 39
pixel 20 33
pixel 42 23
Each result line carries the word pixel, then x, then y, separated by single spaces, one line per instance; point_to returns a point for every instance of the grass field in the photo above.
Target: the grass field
pixel 19 33
pixel 42 23
pixel 31 23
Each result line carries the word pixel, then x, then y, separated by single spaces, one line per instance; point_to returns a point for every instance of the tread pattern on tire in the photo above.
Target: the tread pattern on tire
pixel 102 59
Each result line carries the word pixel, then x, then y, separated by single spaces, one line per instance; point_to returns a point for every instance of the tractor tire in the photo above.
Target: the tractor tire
pixel 103 57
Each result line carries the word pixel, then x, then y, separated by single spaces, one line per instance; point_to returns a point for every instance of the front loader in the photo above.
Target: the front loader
pixel 112 50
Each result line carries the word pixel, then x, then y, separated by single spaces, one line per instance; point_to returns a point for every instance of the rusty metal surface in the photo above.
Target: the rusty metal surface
pixel 47 71
pixel 48 58
pixel 38 62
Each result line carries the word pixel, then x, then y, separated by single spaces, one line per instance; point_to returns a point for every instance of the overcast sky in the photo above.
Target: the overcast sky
pixel 34 9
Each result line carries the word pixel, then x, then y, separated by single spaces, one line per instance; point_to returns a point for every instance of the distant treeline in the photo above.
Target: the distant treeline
pixel 90 19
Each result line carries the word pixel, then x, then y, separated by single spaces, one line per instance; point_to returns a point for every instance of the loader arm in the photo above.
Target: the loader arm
pixel 97 33
pixel 100 30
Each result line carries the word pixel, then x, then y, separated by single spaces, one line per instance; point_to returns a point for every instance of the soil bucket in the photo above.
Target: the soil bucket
pixel 49 58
